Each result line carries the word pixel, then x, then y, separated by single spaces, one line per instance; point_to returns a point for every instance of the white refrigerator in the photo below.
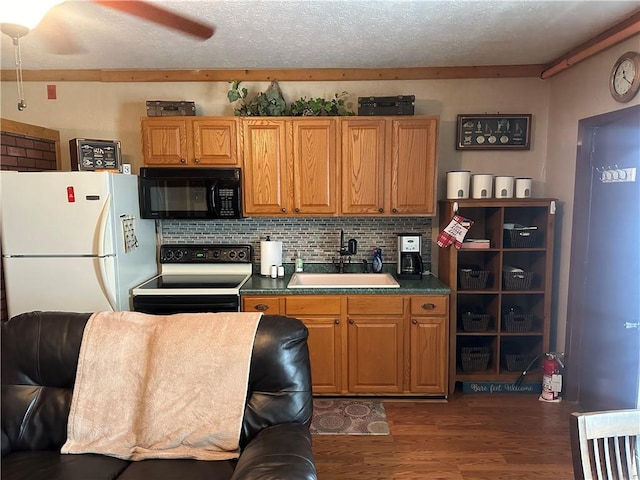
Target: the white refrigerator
pixel 73 241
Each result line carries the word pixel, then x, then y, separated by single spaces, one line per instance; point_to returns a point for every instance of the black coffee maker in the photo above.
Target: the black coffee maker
pixel 409 259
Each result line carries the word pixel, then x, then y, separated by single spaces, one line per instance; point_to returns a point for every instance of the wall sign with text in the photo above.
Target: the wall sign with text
pixel 494 132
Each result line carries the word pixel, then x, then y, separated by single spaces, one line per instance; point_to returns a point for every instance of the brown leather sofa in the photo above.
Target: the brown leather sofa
pixel 39 359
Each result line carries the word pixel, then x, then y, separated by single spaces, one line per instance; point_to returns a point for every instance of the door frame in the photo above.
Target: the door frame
pixel 577 270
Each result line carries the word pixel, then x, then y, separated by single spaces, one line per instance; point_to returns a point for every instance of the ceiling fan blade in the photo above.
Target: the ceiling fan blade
pixel 56 35
pixel 162 16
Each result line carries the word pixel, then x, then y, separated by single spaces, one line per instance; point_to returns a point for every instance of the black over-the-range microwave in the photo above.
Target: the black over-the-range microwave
pixel 190 193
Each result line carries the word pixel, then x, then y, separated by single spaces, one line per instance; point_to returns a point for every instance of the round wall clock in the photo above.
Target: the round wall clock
pixel 625 77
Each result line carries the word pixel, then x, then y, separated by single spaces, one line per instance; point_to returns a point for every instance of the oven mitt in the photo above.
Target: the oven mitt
pixel 455 232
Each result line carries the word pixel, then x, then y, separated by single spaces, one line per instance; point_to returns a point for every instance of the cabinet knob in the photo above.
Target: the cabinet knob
pixel 337 322
pixel 381 210
pixel 183 160
pixel 394 210
pixel 262 307
pixel 196 160
pixel 297 210
pixel 352 322
pixel 428 306
pixel 284 210
pixel 414 321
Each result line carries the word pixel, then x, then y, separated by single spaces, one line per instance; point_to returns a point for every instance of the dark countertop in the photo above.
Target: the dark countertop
pixel 260 285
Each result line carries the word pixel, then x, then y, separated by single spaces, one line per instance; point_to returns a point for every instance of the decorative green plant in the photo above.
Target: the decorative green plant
pixel 319 106
pixel 271 103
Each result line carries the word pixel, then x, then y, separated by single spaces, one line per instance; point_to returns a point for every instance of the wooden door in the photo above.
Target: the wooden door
pixel 165 142
pixel 604 296
pixel 363 166
pixel 429 355
pixel 215 142
pixel 265 173
pixel 413 166
pixel 375 354
pixel 314 166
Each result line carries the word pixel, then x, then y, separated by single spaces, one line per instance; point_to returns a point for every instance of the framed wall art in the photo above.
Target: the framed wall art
pixel 493 132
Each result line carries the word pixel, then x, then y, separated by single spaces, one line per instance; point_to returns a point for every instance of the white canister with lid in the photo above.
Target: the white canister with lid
pixel 504 187
pixel 458 184
pixel 523 187
pixel 482 185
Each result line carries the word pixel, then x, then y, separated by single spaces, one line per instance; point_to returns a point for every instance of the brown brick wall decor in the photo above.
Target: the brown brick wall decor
pixel 26 148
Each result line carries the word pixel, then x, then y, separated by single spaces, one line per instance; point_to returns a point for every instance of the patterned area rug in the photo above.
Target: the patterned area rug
pixel 348 417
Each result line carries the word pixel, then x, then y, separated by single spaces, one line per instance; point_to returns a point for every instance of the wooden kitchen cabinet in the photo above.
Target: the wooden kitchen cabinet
pixel 189 141
pixel 370 344
pixel 389 165
pixel 429 334
pixel 290 166
pixel 376 344
pixel 500 318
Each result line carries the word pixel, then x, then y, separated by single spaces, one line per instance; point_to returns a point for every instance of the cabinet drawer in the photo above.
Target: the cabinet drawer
pixel 266 305
pixel 376 305
pixel 430 305
pixel 312 305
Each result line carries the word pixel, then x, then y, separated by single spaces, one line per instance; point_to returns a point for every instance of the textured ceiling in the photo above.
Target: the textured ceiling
pixel 294 34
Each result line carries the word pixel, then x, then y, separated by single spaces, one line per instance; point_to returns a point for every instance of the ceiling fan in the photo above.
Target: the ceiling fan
pixel 18 20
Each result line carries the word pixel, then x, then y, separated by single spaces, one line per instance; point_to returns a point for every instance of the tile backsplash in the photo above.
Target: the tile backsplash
pixel 315 239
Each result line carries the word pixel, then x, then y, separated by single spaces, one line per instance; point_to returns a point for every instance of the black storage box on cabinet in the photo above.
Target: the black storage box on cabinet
pixel 398 105
pixel 158 108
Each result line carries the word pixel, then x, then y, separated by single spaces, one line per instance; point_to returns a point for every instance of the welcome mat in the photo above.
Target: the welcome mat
pixel 348 417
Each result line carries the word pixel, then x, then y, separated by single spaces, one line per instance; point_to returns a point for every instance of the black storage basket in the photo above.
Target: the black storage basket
pixel 517 363
pixel 474 359
pixel 517 280
pixel 473 279
pixel 475 322
pixel 519 238
pixel 518 322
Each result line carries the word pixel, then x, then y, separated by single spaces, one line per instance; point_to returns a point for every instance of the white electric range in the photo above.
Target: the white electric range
pixel 196 278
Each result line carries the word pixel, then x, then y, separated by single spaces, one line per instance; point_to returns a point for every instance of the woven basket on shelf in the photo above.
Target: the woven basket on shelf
pixel 517 238
pixel 517 280
pixel 474 359
pixel 475 322
pixel 473 279
pixel 517 363
pixel 518 322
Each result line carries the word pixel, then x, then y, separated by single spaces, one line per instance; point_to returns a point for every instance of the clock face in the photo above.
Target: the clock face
pixel 625 77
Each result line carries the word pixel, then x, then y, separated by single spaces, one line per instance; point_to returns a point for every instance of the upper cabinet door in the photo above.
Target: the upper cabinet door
pixel 165 141
pixel 265 172
pixel 314 166
pixel 215 142
pixel 363 166
pixel 413 166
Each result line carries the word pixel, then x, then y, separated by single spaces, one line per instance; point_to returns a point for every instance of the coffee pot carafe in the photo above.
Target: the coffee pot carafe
pixel 409 259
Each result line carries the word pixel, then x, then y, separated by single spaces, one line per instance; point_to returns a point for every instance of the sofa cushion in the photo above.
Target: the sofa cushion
pixel 178 469
pixel 50 465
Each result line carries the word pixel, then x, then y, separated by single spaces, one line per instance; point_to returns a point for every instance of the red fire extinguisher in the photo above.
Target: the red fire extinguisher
pixel 552 377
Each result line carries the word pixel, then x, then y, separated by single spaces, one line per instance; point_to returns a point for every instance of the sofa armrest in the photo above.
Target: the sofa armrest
pixel 277 452
pixel 6 445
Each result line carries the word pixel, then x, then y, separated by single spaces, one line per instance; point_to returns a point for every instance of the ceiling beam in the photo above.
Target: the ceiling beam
pixel 616 34
pixel 284 75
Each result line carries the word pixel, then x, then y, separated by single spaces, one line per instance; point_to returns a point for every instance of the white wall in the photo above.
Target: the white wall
pixel 577 93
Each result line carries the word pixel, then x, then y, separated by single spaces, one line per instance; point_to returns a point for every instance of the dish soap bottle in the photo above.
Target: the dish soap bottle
pixel 377 260
pixel 299 263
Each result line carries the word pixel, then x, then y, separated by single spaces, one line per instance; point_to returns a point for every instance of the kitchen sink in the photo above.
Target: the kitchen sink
pixel 342 280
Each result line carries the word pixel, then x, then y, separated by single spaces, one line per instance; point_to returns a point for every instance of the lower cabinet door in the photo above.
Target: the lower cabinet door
pixel 429 355
pixel 375 354
pixel 325 353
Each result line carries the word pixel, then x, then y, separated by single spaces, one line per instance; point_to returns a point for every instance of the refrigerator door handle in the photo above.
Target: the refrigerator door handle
pixel 102 229
pixel 105 284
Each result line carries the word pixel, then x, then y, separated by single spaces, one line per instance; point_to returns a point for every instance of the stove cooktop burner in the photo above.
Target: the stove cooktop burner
pixel 194 281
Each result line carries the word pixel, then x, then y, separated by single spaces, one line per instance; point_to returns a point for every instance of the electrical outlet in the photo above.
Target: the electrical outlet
pixel 126 168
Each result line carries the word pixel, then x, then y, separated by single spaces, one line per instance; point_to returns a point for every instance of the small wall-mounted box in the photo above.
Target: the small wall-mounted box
pixel 158 108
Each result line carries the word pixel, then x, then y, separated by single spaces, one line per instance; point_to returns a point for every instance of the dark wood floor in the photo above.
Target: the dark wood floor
pixel 470 437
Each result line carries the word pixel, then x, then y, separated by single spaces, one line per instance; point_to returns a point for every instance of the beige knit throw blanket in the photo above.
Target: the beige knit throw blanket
pixel 161 386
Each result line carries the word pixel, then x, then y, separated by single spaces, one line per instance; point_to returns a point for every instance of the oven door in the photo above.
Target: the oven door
pixel 170 304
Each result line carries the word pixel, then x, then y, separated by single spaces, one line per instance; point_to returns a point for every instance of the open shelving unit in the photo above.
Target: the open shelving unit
pixel 500 317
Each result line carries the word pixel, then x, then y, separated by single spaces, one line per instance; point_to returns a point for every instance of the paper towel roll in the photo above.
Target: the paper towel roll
pixel 270 254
